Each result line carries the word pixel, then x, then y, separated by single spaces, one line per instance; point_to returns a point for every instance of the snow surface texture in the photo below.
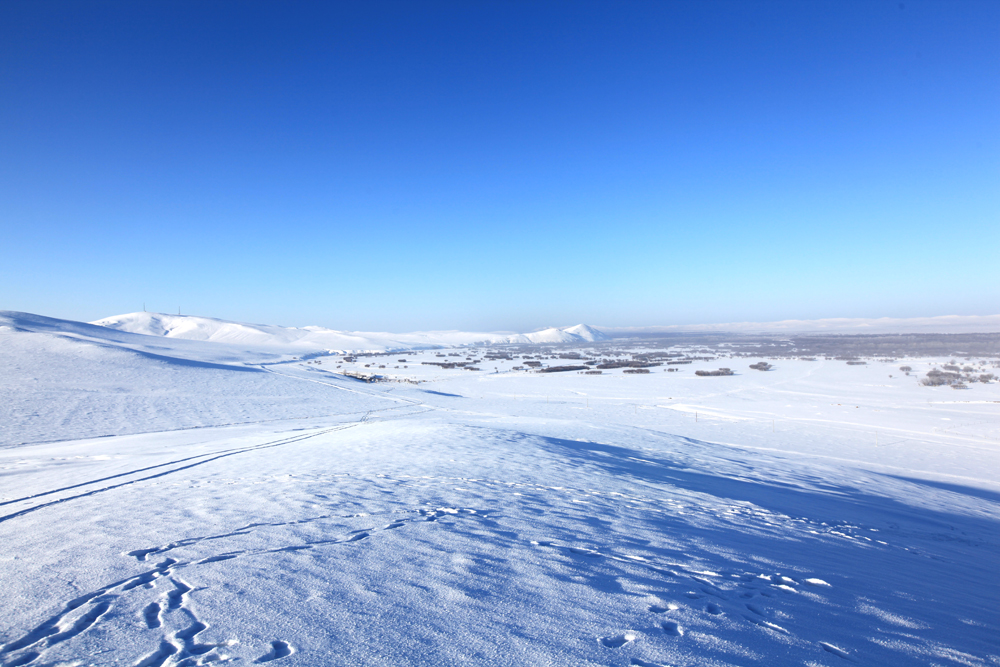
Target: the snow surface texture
pixel 816 514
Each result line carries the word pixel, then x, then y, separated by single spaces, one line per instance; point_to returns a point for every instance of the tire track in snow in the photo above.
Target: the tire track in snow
pixel 214 456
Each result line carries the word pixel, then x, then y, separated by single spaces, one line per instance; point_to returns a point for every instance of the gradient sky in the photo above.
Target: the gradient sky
pixel 500 165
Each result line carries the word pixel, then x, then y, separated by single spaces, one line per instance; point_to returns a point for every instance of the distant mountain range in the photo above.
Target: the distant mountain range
pixel 222 331
pixel 220 341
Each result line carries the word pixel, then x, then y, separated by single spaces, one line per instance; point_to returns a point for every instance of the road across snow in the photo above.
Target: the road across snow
pixel 294 516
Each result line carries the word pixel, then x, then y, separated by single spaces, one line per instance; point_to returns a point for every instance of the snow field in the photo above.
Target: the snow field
pixel 489 518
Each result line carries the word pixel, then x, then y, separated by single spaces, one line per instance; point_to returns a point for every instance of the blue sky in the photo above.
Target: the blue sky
pixel 502 166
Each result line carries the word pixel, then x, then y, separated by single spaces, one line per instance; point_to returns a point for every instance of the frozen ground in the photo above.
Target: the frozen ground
pixel 161 503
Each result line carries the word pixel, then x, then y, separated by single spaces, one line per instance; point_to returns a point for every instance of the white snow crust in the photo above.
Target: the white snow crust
pixel 193 494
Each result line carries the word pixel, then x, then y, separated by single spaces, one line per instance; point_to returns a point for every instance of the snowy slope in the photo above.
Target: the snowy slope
pixel 60 386
pixel 12 322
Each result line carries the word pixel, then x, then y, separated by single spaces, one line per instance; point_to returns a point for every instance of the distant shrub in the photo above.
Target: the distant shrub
pixel 636 370
pixel 721 371
pixel 761 366
pixel 936 378
pixel 905 369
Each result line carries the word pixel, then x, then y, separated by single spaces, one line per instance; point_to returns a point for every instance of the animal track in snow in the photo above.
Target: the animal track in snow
pixel 279 649
pixel 713 609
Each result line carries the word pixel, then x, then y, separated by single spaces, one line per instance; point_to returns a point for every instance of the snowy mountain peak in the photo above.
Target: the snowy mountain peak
pixel 586 332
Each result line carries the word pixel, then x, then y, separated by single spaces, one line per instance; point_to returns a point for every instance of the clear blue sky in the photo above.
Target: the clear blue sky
pixel 507 165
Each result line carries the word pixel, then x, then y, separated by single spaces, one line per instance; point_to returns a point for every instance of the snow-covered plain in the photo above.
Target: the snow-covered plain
pixel 162 502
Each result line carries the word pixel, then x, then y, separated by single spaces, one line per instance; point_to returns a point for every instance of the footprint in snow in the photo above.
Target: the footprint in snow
pixel 714 609
pixel 672 628
pixel 151 614
pixel 617 641
pixel 279 649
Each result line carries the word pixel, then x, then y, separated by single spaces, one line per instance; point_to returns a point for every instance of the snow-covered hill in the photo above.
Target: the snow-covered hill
pixel 586 332
pixel 191 327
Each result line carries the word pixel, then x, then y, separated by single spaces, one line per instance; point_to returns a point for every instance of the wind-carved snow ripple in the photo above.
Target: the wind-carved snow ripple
pixel 725 594
pixel 85 611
